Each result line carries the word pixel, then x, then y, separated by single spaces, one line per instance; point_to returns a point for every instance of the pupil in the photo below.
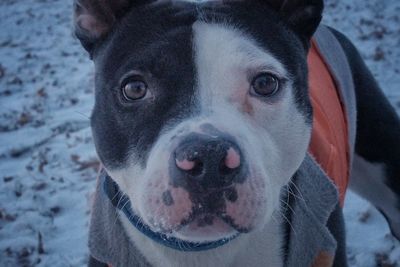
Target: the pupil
pixel 265 85
pixel 135 90
pixel 263 82
pixel 137 87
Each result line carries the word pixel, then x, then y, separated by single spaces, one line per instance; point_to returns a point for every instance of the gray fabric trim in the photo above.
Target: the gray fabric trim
pixel 316 198
pixel 108 241
pixel 337 228
pixel 337 62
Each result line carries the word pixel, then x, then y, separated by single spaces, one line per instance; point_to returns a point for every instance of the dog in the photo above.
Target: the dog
pixel 203 121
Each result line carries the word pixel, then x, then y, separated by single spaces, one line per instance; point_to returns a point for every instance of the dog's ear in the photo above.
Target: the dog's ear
pixel 94 19
pixel 303 16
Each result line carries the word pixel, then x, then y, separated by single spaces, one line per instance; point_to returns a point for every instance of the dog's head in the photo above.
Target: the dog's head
pixel 202 111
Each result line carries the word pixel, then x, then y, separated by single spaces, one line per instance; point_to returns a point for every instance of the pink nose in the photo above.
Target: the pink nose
pixel 185 165
pixel 231 161
pixel 202 162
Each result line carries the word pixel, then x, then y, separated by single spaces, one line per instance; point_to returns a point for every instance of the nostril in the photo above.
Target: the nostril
pixel 191 167
pixel 223 169
pixel 185 165
pixel 232 159
pixel 197 169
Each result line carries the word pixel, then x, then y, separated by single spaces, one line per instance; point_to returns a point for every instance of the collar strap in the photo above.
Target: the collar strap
pixel 122 202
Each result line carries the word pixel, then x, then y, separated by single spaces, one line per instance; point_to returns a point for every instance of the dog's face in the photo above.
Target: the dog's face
pixel 202 111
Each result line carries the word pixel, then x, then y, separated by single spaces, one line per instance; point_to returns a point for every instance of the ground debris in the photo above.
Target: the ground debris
pixel 40 247
pixel 382 260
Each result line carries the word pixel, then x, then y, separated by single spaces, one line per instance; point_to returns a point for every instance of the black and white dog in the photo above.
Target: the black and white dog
pixel 202 117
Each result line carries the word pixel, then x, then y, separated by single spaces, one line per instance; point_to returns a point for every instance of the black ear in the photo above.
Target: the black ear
pixel 94 19
pixel 303 16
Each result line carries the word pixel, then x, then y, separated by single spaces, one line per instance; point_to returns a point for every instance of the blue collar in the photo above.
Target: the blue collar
pixel 121 202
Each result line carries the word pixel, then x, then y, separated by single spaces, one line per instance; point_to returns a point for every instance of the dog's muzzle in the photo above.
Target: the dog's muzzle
pixel 122 202
pixel 203 194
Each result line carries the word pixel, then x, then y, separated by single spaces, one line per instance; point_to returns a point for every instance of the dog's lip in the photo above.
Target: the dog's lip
pixel 122 203
pixel 212 190
pixel 192 232
pixel 228 220
pixel 219 217
pixel 189 232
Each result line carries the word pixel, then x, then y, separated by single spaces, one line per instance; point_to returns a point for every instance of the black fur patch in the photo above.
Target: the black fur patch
pixel 158 43
pixel 167 198
pixel 378 125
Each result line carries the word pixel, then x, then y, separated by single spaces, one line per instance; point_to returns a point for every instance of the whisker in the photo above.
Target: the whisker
pixel 115 221
pixel 82 114
pixel 287 220
pixel 297 189
pixel 288 205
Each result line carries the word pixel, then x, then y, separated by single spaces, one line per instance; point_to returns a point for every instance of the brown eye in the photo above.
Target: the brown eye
pixel 134 89
pixel 265 84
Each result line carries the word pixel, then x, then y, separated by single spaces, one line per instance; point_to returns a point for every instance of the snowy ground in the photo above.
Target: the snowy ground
pixel 47 159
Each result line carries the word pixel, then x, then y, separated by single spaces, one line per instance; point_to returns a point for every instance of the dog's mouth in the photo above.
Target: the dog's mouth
pixel 198 217
pixel 204 223
pixel 190 236
pixel 201 232
pixel 205 228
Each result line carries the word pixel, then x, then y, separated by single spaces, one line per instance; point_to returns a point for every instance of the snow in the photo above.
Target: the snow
pixel 47 158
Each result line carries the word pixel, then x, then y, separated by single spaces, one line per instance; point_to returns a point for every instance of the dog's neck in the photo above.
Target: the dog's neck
pixel 265 250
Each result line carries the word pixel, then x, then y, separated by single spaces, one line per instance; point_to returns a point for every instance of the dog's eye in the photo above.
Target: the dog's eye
pixel 265 84
pixel 134 89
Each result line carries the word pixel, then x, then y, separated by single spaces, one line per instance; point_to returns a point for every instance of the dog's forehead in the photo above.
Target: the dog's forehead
pixel 161 33
pixel 233 48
